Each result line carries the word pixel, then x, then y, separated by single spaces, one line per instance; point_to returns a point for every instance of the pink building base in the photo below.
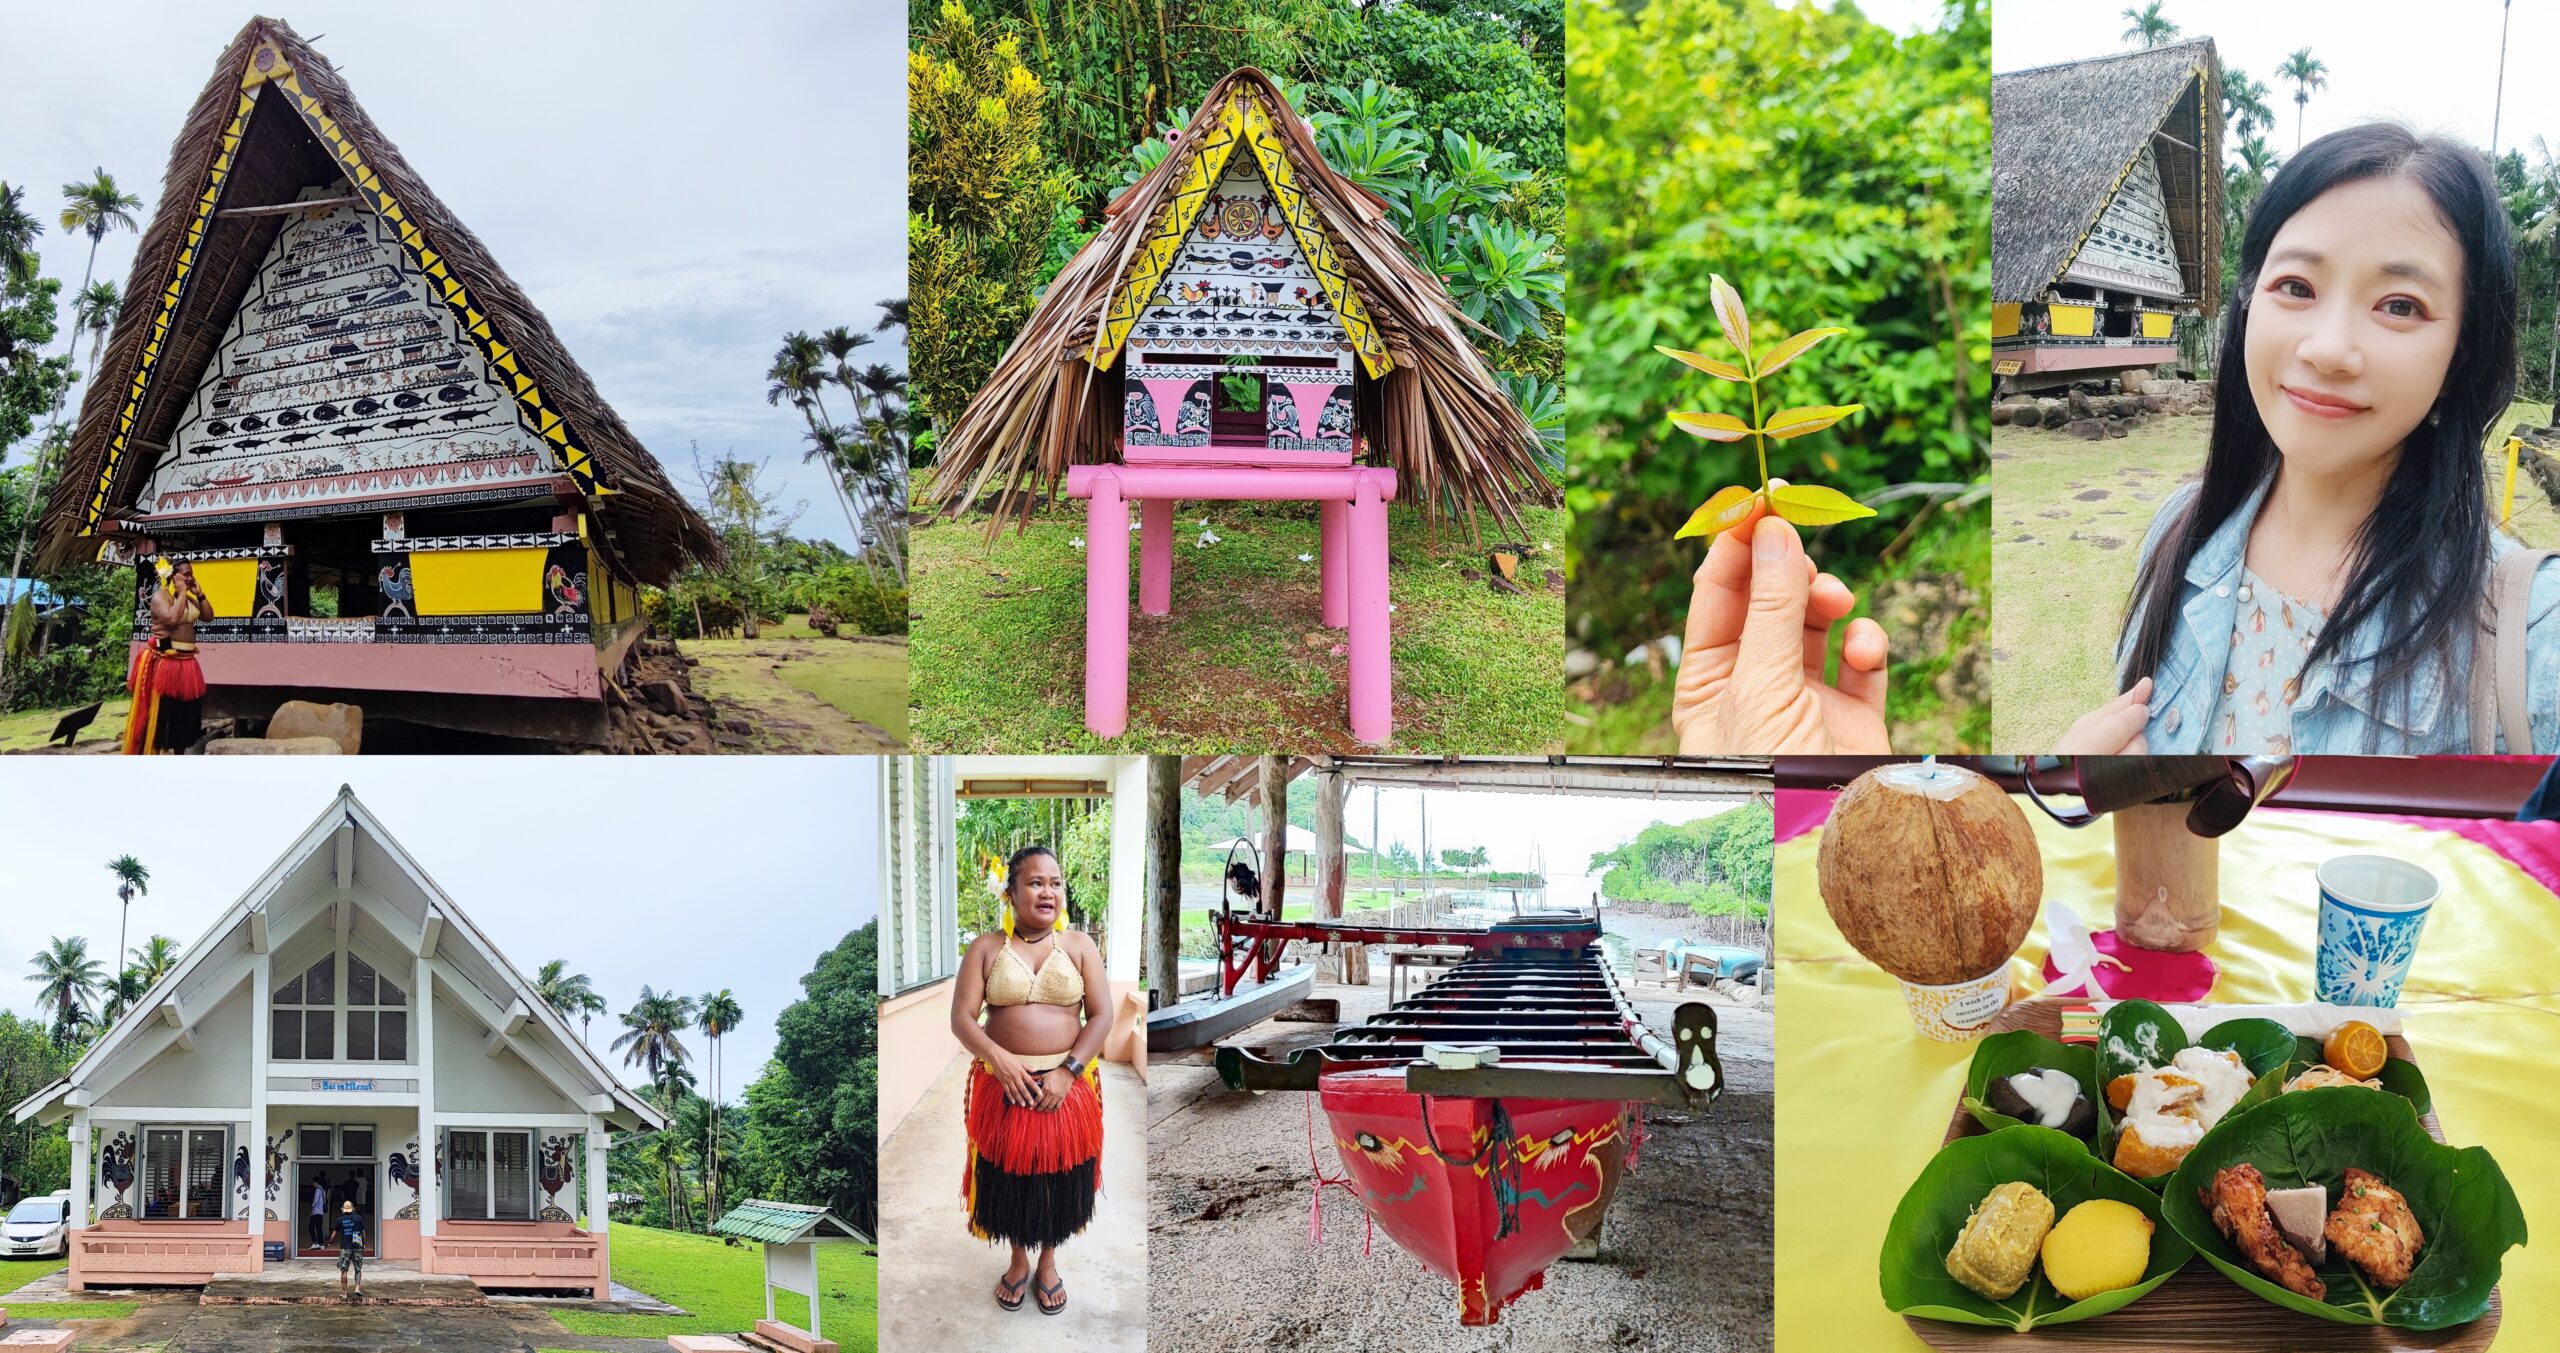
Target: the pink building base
pixel 546 1255
pixel 1352 506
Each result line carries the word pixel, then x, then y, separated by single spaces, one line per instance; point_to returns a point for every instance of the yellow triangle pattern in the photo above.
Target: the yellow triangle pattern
pixel 1172 223
pixel 1301 215
pixel 199 221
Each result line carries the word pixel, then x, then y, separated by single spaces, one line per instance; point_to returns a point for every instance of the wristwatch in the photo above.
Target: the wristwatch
pixel 1072 1067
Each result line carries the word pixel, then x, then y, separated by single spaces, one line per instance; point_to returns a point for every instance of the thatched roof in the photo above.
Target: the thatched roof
pixel 1454 438
pixel 2064 136
pixel 646 523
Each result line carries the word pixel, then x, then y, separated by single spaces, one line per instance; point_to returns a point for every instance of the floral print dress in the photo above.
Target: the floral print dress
pixel 2270 642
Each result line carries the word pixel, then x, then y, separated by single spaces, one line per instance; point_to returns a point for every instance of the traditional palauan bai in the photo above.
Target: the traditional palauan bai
pixel 394 484
pixel 1247 325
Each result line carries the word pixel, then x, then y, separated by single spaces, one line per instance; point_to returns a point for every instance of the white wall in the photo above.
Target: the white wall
pixel 468 1081
pixel 213 1076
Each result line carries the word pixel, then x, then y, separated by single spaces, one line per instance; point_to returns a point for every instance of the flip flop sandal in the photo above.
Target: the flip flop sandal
pixel 1061 1290
pixel 1015 1286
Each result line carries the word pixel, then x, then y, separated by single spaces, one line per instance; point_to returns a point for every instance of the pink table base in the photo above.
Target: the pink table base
pixel 1352 510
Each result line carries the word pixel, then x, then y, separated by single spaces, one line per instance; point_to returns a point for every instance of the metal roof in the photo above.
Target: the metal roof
pixel 780 1223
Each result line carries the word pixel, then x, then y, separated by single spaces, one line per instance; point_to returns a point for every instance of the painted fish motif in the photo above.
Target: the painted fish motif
pixel 367 406
pixel 218 428
pixel 288 418
pixel 408 399
pixel 292 438
pixel 453 394
pixel 248 444
pixel 352 429
pixel 253 423
pixel 460 416
pixel 404 424
pixel 325 412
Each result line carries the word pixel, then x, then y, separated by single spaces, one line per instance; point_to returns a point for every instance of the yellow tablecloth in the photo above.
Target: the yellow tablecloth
pixel 1863 1099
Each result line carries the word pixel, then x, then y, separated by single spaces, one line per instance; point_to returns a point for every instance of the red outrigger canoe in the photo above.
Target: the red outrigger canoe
pixel 1486 1121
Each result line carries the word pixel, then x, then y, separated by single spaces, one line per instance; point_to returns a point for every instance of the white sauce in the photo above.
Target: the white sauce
pixel 2049 1092
pixel 2171 1116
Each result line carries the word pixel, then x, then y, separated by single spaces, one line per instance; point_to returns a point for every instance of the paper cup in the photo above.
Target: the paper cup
pixel 1959 1011
pixel 2372 908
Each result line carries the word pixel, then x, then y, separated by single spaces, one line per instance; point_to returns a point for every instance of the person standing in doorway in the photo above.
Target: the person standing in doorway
pixel 319 1223
pixel 350 1251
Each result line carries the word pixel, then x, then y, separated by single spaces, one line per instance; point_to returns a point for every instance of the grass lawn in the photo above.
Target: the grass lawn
pixel 791 673
pixel 2070 521
pixel 17 1273
pixel 27 730
pixel 1244 663
pixel 719 1283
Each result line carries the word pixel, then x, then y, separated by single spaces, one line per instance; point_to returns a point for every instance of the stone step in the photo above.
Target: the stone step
pixel 321 1289
pixel 706 1343
pixel 776 1337
pixel 39 1339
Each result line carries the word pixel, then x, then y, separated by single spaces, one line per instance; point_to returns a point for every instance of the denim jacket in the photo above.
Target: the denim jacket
pixel 2339 711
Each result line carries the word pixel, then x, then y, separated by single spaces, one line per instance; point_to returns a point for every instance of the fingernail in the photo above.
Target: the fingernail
pixel 1768 546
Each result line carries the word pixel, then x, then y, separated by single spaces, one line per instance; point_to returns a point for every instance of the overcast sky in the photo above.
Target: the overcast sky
pixel 687 873
pixel 2432 66
pixel 1516 830
pixel 675 185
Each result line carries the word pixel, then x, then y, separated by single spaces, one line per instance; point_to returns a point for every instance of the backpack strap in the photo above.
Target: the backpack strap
pixel 2498 668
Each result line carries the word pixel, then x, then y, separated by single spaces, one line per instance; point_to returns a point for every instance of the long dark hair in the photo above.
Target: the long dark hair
pixel 2420 562
pixel 1013 864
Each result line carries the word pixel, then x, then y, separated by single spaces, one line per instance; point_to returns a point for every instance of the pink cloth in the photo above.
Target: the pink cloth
pixel 2533 847
pixel 1801 810
pixel 2172 979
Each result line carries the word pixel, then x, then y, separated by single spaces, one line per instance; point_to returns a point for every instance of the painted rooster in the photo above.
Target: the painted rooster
pixel 275 1162
pixel 115 1165
pixel 564 589
pixel 558 1170
pixel 397 591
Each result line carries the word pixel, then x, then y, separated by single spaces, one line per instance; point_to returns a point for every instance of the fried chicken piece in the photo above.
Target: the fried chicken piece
pixel 2238 1200
pixel 2374 1229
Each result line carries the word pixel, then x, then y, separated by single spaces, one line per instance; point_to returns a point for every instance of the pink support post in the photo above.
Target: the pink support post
pixel 1372 675
pixel 1155 556
pixel 1337 597
pixel 1106 611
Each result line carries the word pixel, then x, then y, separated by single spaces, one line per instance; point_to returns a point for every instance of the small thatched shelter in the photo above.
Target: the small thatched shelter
pixel 1423 400
pixel 2106 210
pixel 325 393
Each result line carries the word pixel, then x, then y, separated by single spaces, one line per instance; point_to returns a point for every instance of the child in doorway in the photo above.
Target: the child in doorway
pixel 350 1250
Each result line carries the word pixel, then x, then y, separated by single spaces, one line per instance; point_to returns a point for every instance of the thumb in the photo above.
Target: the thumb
pixel 1769 661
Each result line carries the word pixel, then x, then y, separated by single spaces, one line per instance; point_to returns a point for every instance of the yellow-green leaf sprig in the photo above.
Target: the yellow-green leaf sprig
pixel 1802 504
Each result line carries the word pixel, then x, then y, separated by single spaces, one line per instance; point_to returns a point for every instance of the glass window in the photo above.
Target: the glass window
pixel 488 1175
pixel 306 1021
pixel 466 1175
pixel 355 1143
pixel 393 1036
pixel 183 1176
pixel 286 1033
pixel 317 1141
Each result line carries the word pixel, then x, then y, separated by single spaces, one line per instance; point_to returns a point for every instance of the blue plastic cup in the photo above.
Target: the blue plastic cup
pixel 2372 908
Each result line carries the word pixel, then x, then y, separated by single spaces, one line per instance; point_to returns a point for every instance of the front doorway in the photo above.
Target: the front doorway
pixel 334 1184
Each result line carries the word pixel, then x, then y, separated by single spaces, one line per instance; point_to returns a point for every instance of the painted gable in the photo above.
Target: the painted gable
pixel 341 385
pixel 1240 282
pixel 2131 244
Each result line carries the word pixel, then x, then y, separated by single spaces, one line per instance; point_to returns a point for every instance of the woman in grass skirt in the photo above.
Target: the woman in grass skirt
pixel 1034 1112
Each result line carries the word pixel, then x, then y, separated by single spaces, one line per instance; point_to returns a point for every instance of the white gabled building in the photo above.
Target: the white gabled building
pixel 343 1025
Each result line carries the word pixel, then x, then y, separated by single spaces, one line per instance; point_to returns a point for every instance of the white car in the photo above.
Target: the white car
pixel 38 1228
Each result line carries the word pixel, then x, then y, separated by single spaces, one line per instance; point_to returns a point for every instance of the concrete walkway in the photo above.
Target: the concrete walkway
pixel 937 1282
pixel 185 1327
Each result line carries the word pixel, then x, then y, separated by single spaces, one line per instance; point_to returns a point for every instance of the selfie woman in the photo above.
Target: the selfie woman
pixel 2334 582
pixel 1034 1103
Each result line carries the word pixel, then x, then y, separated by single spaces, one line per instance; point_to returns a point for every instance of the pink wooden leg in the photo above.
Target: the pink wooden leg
pixel 1372 681
pixel 1337 600
pixel 1155 555
pixel 1106 611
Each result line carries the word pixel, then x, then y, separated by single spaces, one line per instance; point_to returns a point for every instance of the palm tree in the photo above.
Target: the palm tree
pixel 652 1040
pixel 156 959
pixel 2244 103
pixel 69 981
pixel 18 233
pixel 2149 27
pixel 560 988
pixel 2307 75
pixel 123 994
pixel 95 310
pixel 2506 12
pixel 720 1014
pixel 131 880
pixel 94 208
pixel 2544 183
pixel 893 315
pixel 799 374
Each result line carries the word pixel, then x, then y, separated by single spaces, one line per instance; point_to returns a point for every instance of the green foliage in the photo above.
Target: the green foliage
pixel 30 382
pixel 1078 831
pixel 846 597
pixel 38 1157
pixel 813 1116
pixel 719 1284
pixel 1715 866
pixel 984 203
pixel 1841 170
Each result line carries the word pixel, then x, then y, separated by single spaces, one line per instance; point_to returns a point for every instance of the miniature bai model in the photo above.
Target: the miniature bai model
pixel 395 486
pixel 1248 325
pixel 790 1233
pixel 341 1034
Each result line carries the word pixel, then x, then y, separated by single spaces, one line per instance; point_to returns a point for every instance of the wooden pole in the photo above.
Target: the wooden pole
pixel 1331 867
pixel 1163 974
pixel 1275 830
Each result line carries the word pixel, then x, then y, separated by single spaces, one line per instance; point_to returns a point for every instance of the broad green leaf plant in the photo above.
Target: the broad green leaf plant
pixel 1802 504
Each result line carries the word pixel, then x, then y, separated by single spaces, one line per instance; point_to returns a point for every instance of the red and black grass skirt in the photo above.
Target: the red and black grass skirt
pixel 167 688
pixel 1032 1175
